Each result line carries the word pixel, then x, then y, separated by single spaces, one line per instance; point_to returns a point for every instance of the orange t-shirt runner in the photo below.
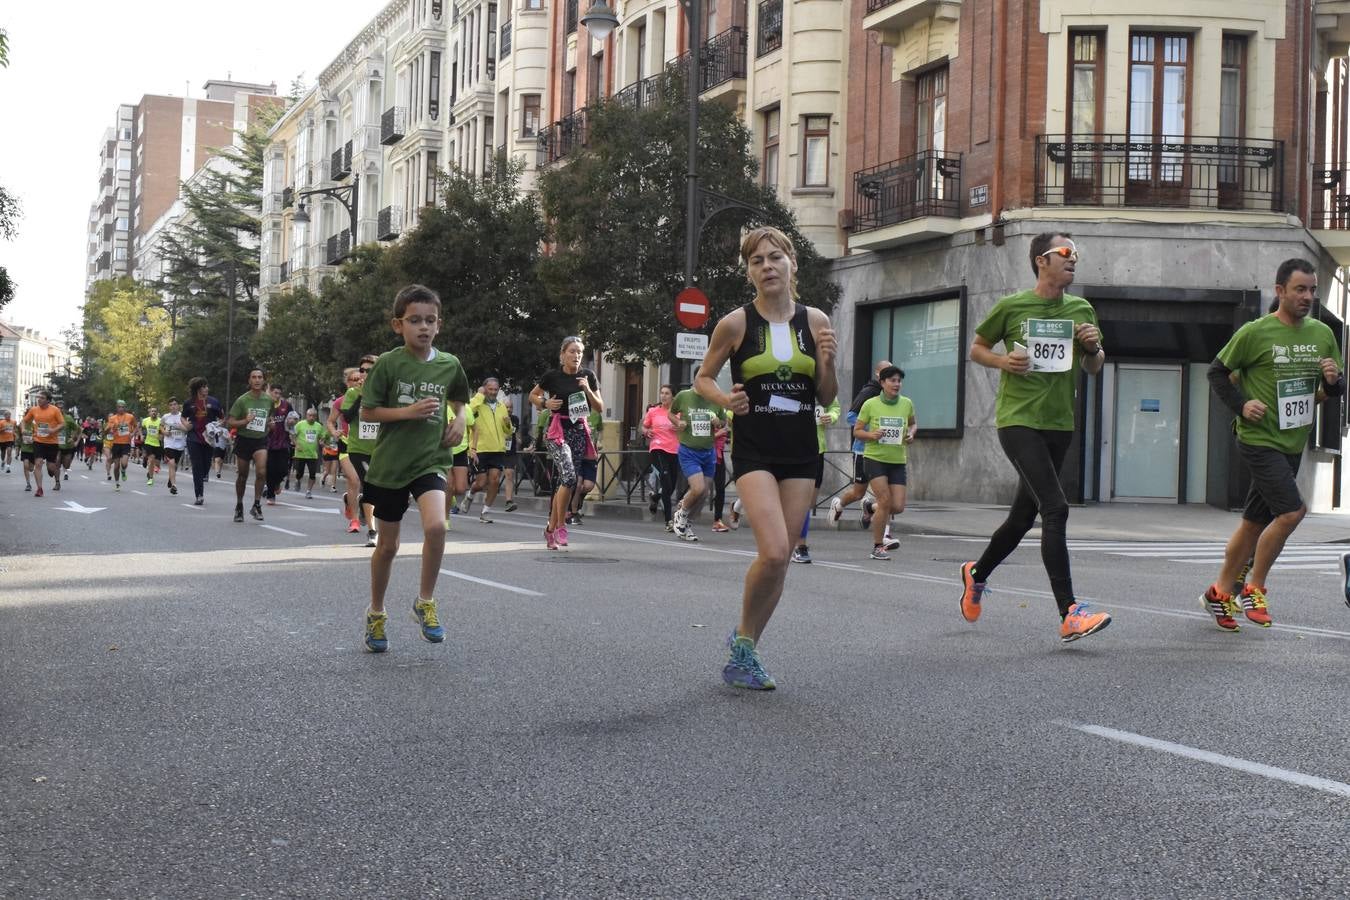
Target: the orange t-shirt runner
pixel 120 427
pixel 47 424
pixel 6 431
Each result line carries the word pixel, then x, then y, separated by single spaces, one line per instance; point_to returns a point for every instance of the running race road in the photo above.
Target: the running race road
pixel 187 712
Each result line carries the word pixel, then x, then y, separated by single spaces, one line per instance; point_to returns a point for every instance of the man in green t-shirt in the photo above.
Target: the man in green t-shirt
pixel 417 394
pixel 1047 335
pixel 886 426
pixel 1284 363
pixel 249 415
pixel 150 428
pixel 695 419
pixel 309 436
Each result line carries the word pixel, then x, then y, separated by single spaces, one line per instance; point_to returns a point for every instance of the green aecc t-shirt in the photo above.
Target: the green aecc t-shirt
pixel 893 418
pixel 408 449
pixel 256 410
pixel 308 436
pixel 700 418
pixel 1282 367
pixel 1042 398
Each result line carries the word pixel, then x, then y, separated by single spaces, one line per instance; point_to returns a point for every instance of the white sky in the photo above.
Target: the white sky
pixel 72 64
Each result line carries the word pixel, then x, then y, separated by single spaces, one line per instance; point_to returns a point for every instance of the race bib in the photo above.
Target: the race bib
pixel 1050 344
pixel 124 429
pixel 369 431
pixel 701 424
pixel 784 404
pixel 152 431
pixel 43 429
pixel 578 407
pixel 892 430
pixel 1296 397
pixel 311 437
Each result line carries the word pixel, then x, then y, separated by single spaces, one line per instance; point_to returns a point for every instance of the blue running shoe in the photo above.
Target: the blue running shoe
pixel 744 670
pixel 375 639
pixel 424 611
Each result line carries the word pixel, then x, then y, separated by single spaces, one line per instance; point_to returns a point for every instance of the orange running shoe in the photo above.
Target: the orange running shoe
pixel 1222 607
pixel 1081 621
pixel 972 592
pixel 1254 605
pixel 353 526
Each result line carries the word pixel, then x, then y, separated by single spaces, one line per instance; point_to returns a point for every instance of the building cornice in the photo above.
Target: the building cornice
pixel 351 53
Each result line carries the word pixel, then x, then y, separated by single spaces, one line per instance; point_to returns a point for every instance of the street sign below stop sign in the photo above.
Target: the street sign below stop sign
pixel 691 308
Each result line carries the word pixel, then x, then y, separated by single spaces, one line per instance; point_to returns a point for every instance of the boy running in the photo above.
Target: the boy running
pixel 410 392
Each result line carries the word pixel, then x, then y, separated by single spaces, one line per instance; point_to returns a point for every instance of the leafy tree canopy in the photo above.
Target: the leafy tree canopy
pixel 616 212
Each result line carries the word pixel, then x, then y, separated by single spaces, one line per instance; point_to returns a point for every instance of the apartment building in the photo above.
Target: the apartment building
pixel 1188 148
pixel 108 251
pixel 155 145
pixel 27 360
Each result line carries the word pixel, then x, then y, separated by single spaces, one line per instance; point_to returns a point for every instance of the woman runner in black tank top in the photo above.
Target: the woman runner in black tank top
pixel 782 358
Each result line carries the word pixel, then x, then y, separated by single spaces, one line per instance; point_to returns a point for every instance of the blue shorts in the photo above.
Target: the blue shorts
pixel 694 462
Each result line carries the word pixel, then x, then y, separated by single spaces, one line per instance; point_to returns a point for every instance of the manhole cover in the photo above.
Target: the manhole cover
pixel 568 558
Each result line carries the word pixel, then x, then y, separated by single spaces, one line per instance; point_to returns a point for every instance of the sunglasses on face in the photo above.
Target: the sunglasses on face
pixel 1068 253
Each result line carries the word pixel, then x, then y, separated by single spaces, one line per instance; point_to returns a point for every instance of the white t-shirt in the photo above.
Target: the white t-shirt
pixel 174 439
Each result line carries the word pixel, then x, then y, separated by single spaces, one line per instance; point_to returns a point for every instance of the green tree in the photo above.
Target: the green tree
pixel 9 229
pixel 134 331
pixel 616 212
pixel 4 49
pixel 480 250
pixel 211 258
pixel 294 345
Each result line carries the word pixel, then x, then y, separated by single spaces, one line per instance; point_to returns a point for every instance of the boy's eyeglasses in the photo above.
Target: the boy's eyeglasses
pixel 1068 253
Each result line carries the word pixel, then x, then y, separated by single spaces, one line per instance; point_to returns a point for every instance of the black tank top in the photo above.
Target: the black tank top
pixel 777 365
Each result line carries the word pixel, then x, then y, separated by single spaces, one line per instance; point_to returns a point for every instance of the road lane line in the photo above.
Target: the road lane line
pixel 283 530
pixel 493 584
pixel 142 493
pixel 1339 788
pixel 194 506
pixel 333 512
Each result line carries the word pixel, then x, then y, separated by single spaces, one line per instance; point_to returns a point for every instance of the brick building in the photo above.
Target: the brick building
pixel 1187 149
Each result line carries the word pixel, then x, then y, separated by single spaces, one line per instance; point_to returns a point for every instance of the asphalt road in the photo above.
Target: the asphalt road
pixel 186 712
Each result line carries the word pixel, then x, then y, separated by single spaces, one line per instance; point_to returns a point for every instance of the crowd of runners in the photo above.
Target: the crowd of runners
pixel 406 429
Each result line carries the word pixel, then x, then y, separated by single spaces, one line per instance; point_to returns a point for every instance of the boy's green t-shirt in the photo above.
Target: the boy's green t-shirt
pixel 309 436
pixel 1042 398
pixel 1282 367
pixel 700 418
pixel 893 417
pixel 256 410
pixel 408 449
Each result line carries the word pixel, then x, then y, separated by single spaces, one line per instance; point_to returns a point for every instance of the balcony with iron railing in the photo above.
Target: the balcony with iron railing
pixel 340 163
pixel 721 61
pixel 769 27
pixel 570 15
pixel 1195 173
pixel 284 275
pixel 505 44
pixel 394 125
pixel 563 137
pixel 389 223
pixel 337 247
pixel 907 200
pixel 1331 211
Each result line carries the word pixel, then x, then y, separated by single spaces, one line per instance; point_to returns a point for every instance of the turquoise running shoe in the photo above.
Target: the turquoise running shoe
pixel 744 670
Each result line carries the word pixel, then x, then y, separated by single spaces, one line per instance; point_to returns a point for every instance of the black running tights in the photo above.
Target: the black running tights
pixel 1037 456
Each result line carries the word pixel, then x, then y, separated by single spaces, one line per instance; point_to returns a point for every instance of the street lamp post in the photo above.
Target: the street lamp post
pixel 346 194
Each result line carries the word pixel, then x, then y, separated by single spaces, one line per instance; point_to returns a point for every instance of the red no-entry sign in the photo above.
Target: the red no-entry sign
pixel 691 308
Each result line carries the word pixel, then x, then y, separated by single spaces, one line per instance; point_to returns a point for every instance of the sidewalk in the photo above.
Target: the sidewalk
pixel 1097 521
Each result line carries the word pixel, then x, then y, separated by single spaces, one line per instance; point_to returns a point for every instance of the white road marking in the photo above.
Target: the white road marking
pixel 85 477
pixel 195 506
pixel 1338 788
pixel 142 493
pixel 494 584
pixel 333 512
pixel 282 530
